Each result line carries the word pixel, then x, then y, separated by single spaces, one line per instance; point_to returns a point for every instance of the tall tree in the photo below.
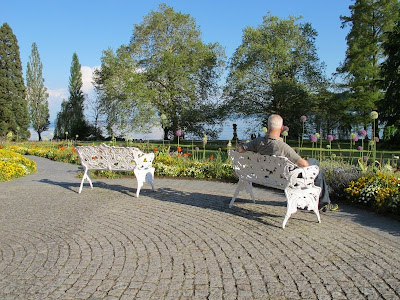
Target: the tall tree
pixel 166 70
pixel 36 93
pixel 368 21
pixel 389 105
pixel 274 70
pixel 14 115
pixel 71 118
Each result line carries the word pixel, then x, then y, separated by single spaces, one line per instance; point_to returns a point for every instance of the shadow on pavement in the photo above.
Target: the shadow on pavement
pixel 220 203
pixel 201 200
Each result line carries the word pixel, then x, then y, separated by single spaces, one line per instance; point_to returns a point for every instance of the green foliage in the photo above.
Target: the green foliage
pixel 338 175
pixel 36 93
pixel 332 116
pixel 274 70
pixel 389 106
pixel 71 118
pixel 14 114
pixel 176 165
pixel 165 70
pixel 368 22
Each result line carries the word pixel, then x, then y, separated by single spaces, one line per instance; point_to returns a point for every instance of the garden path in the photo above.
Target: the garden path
pixel 183 242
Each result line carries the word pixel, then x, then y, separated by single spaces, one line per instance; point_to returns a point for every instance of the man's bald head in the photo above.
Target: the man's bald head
pixel 275 122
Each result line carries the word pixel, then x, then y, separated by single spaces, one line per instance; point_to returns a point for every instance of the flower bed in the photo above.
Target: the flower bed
pixel 169 164
pixel 14 165
pixel 380 191
pixel 57 153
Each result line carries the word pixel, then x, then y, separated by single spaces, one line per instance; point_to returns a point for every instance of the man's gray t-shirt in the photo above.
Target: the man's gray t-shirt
pixel 270 145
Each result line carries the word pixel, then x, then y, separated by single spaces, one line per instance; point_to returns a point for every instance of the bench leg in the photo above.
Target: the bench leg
pixel 243 185
pixel 291 208
pixel 85 177
pixel 315 202
pixel 310 198
pixel 142 176
pixel 150 178
pixel 249 189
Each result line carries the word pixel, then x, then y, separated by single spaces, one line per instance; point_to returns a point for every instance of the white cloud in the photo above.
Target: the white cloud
pixel 87 79
pixel 57 93
pixel 55 98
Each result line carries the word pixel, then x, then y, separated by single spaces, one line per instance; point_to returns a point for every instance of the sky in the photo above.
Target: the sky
pixel 61 27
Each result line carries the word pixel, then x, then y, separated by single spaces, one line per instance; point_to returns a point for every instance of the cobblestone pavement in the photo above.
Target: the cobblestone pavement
pixel 183 242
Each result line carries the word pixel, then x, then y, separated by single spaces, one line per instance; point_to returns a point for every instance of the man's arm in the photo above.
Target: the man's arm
pixel 302 163
pixel 240 149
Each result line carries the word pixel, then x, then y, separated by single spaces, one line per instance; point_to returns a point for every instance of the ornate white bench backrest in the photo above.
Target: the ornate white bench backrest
pixel 104 157
pixel 93 157
pixel 272 171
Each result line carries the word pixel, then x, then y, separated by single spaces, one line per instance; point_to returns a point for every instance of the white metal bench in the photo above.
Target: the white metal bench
pixel 108 158
pixel 277 172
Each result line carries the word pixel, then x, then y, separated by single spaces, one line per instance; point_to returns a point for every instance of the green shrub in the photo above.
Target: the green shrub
pixel 338 175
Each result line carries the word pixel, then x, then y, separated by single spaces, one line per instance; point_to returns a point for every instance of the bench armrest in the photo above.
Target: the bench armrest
pixel 308 175
pixel 144 160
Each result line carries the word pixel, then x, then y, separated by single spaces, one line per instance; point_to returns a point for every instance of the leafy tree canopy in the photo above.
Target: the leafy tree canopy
pixel 389 106
pixel 368 21
pixel 166 70
pixel 275 70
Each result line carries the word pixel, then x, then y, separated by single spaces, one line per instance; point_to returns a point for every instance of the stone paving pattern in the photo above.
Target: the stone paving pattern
pixel 183 242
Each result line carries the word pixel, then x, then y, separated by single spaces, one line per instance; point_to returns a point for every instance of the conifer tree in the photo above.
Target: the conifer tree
pixel 14 115
pixel 71 118
pixel 389 105
pixel 36 93
pixel 368 22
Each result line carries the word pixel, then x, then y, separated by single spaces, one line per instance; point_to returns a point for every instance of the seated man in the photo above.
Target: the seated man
pixel 273 144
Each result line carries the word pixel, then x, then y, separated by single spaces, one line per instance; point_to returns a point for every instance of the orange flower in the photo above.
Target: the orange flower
pixel 212 157
pixel 179 149
pixel 73 150
pixel 178 155
pixel 155 150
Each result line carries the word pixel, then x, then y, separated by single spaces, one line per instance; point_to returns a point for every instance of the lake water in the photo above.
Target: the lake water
pixel 244 130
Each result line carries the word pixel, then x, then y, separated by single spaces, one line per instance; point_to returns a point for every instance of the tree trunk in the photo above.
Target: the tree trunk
pixel 166 129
